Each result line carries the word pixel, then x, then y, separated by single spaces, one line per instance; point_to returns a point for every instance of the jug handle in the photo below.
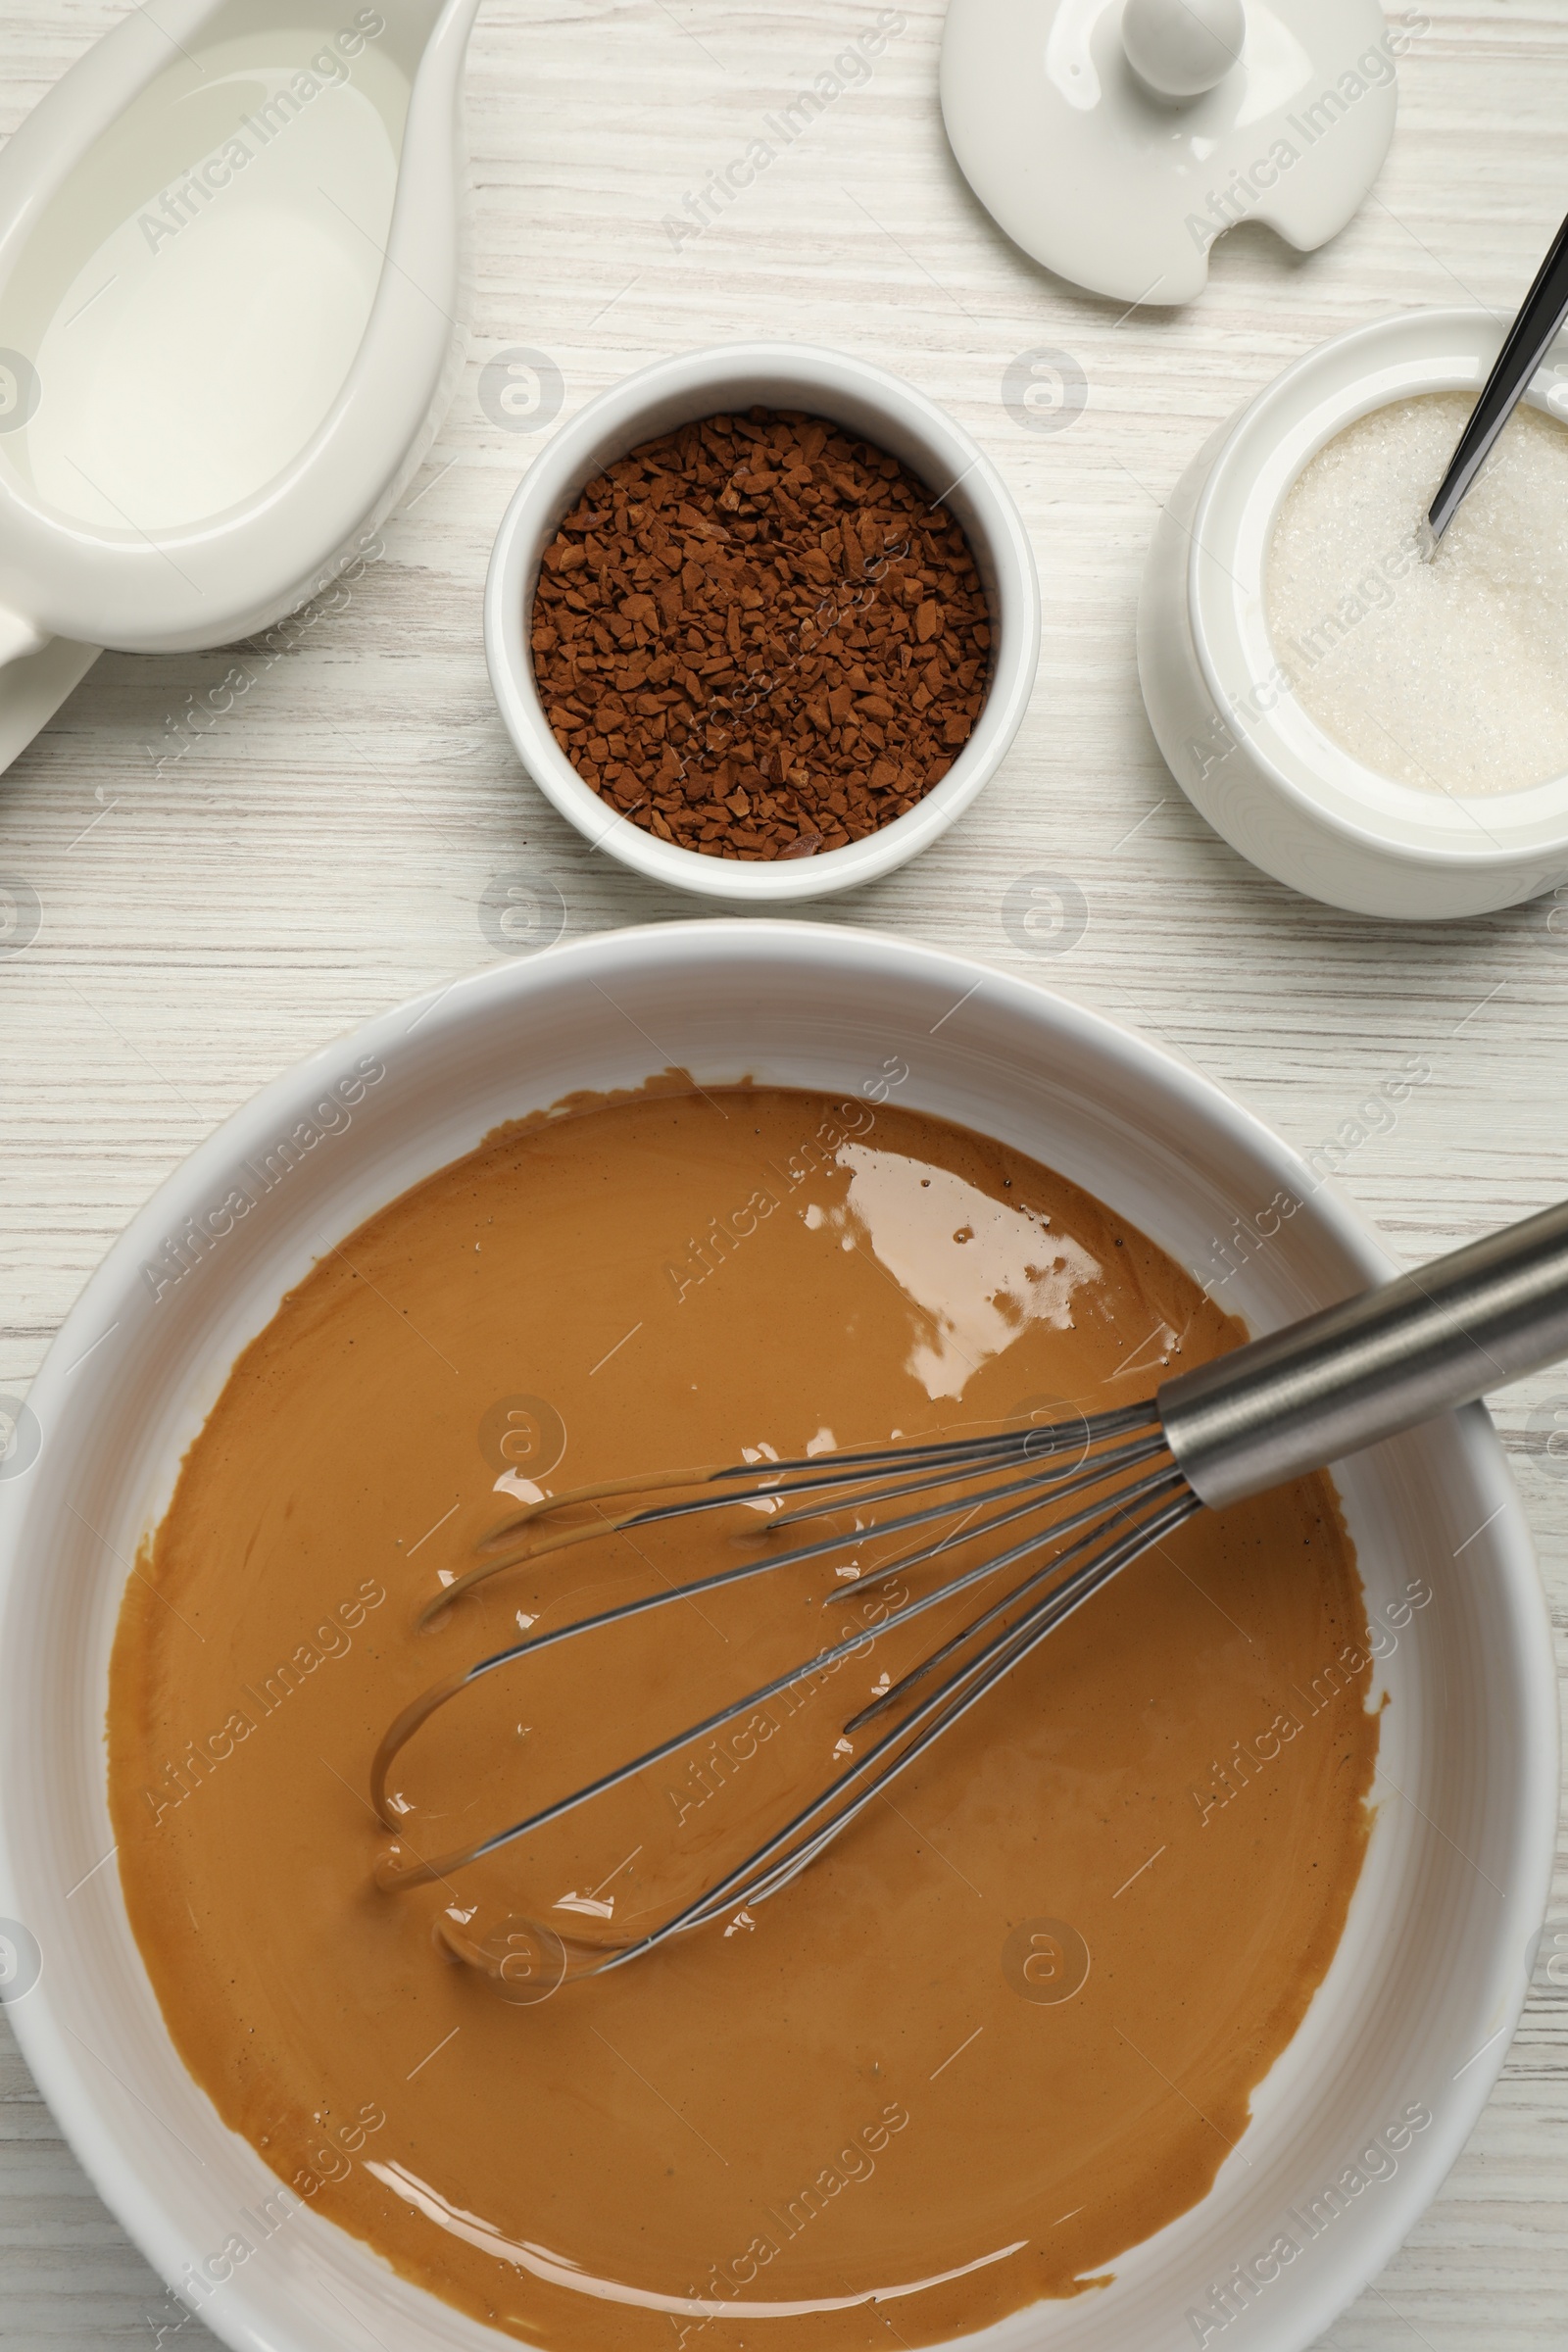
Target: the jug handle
pixel 36 673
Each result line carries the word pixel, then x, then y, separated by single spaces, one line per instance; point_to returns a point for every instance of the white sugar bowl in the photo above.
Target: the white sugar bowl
pixel 1236 737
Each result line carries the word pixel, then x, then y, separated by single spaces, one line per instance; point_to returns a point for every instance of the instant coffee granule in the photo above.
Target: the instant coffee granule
pixel 758 637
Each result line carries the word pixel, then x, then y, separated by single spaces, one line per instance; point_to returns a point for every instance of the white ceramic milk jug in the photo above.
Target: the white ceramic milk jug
pixel 230 322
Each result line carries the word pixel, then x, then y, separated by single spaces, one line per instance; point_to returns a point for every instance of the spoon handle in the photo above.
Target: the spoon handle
pixel 1528 340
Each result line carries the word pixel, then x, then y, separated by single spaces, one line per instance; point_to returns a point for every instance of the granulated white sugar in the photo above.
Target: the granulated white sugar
pixel 1450 674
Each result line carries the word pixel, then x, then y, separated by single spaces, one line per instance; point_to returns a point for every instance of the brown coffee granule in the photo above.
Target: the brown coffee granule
pixel 758 637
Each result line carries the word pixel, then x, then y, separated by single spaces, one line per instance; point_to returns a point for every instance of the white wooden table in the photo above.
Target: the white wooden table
pixel 324 852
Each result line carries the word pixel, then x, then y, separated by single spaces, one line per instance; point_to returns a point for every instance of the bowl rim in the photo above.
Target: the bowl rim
pixel 127 2185
pixel 1401 820
pixel 737 373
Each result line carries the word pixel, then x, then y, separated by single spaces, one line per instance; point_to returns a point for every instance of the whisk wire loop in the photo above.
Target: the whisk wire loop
pixel 1039 1489
pixel 1043 1484
pixel 759 1876
pixel 1042 1487
pixel 770 1479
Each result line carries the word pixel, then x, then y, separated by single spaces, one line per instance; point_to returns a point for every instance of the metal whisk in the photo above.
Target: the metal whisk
pixel 1093 1492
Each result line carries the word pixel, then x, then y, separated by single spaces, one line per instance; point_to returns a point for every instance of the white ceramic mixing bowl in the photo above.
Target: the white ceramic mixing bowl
pixel 1359 2120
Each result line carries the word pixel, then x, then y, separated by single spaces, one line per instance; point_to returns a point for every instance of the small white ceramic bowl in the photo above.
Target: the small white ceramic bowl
pixel 1243 751
pixel 868 402
pixel 1363 2114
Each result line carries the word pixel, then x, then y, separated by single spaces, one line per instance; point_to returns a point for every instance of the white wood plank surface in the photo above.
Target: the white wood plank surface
pixel 322 851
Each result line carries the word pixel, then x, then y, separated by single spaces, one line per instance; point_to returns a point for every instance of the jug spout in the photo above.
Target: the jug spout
pixel 36 673
pixel 17 637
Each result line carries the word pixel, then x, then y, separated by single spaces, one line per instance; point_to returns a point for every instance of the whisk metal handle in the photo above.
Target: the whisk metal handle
pixel 1374 1365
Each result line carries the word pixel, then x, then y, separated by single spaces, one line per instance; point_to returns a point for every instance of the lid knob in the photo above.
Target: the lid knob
pixel 1182 48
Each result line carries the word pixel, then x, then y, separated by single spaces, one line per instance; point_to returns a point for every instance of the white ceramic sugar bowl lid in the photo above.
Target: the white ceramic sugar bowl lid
pixel 1116 140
